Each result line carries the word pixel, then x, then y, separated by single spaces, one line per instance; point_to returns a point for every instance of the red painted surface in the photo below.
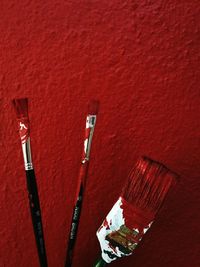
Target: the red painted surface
pixel 141 59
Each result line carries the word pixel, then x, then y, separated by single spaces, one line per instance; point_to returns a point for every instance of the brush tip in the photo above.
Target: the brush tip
pixel 21 107
pixel 148 184
pixel 93 107
pixel 161 166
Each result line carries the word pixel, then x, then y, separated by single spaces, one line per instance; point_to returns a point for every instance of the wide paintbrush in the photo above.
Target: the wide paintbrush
pixel 135 210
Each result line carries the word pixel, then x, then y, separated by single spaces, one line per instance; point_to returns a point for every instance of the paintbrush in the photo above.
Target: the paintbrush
pixel 93 108
pixel 135 210
pixel 21 109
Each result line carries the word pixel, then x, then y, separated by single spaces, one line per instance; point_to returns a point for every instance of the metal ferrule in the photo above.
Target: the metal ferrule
pixel 90 124
pixel 26 149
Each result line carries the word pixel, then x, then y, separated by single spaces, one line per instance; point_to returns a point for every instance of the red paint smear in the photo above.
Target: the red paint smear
pixel 100 228
pixel 87 134
pixel 134 217
pixel 24 129
pixel 104 224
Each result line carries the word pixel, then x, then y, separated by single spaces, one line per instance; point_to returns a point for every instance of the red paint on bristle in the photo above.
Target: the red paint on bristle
pixel 148 185
pixel 21 110
pixel 21 107
pixel 93 107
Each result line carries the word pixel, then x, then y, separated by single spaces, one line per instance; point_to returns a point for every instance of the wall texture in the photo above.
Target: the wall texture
pixel 141 59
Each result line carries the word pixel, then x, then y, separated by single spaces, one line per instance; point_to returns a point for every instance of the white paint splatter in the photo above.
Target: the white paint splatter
pixel 147 228
pixel 115 221
pixel 112 223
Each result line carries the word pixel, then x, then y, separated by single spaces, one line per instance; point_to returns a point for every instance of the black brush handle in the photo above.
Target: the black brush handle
pixel 74 228
pixel 36 216
pixel 100 263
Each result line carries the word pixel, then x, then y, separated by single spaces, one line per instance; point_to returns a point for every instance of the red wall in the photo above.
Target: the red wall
pixel 141 59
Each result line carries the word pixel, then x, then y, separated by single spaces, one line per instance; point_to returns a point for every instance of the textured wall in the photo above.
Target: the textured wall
pixel 141 59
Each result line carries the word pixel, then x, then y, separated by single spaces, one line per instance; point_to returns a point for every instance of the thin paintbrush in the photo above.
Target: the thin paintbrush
pixel 135 210
pixel 21 109
pixel 89 130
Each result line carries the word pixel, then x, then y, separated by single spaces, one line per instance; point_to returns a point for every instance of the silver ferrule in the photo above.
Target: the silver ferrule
pixel 26 149
pixel 90 123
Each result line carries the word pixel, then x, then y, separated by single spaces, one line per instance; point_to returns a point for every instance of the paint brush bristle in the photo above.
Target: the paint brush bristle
pixel 93 107
pixel 21 107
pixel 148 184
